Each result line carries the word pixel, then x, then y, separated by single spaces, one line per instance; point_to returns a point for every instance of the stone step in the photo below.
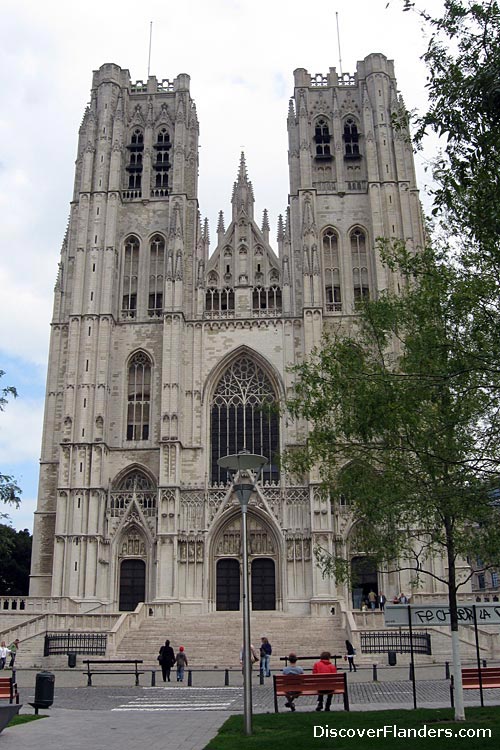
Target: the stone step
pixel 215 639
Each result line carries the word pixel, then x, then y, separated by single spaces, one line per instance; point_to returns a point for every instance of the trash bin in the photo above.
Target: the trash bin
pixel 391 655
pixel 44 689
pixel 72 659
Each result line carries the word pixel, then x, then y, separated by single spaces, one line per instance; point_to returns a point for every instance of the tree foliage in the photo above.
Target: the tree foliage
pixel 15 560
pixel 463 85
pixel 9 490
pixel 404 426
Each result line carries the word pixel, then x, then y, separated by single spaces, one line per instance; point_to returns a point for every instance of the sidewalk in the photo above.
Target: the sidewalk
pixel 116 715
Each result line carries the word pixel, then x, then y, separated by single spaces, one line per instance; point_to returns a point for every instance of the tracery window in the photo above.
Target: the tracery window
pixel 138 397
pixel 161 164
pixel 266 301
pixel 322 139
pixel 331 266
pixel 156 276
pixel 359 257
pixel 351 139
pixel 130 277
pixel 243 417
pixel 219 303
pixel 134 166
pixel 135 485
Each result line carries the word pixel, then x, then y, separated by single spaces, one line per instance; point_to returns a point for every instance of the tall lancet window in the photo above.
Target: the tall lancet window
pixel 322 139
pixel 359 257
pixel 156 276
pixel 351 139
pixel 331 267
pixel 161 164
pixel 244 417
pixel 130 277
pixel 134 166
pixel 138 397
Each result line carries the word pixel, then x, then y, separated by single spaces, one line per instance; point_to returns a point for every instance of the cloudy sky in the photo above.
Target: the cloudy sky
pixel 240 55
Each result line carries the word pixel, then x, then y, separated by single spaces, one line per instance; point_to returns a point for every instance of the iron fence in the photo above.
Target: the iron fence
pixel 379 642
pixel 78 643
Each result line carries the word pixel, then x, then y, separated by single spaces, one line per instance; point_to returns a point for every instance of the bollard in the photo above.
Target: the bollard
pixel 447 670
pixel 190 678
pixel 153 678
pixel 261 678
pixel 374 675
pixel 410 675
pixel 226 678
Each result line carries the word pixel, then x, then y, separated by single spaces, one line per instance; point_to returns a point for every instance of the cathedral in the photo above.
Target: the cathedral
pixel 166 355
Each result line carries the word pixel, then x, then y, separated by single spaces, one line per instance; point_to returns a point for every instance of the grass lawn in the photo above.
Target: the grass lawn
pixel 297 731
pixel 25 718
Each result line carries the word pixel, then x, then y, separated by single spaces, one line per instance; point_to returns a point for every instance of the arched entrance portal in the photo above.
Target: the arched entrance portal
pixel 364 579
pixel 263 583
pixel 132 584
pixel 228 584
pixel 263 565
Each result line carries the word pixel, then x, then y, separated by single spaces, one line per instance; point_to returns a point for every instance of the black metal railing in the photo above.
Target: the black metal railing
pixel 379 642
pixel 77 643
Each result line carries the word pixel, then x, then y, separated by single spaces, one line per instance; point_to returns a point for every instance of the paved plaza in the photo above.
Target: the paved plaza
pixel 171 716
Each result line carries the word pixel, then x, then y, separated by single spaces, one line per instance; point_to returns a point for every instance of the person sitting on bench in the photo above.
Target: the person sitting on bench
pixel 292 669
pixel 324 666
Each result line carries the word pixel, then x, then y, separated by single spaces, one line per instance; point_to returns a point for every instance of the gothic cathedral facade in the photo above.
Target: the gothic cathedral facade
pixel 164 357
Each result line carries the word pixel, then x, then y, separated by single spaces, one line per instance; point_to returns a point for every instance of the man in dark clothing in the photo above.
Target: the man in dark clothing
pixel 166 657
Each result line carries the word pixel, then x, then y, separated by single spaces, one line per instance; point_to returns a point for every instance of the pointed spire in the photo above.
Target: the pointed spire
pixel 291 111
pixel 265 226
pixel 242 198
pixel 220 223
pixel 281 235
pixel 206 231
pixel 242 174
pixel 281 229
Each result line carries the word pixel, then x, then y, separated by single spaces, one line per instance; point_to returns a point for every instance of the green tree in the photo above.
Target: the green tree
pixel 405 426
pixel 15 560
pixel 9 490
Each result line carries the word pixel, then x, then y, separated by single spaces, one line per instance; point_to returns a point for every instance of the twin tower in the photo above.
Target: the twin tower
pixel 165 357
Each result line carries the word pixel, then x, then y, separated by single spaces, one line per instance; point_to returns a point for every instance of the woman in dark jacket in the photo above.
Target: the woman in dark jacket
pixel 166 657
pixel 350 651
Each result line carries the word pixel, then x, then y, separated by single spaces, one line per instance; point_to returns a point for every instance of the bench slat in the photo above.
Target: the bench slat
pixel 311 684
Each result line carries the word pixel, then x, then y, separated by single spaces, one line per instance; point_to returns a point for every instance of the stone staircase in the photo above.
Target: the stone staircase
pixel 215 639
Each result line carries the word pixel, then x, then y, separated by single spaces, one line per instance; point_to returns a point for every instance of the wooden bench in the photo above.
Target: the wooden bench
pixel 91 670
pixel 8 690
pixel 310 684
pixel 490 678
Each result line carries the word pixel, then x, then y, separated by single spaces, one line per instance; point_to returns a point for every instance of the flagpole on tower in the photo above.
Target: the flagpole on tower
pixel 150 38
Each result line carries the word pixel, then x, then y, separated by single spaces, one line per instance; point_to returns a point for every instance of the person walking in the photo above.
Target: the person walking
pixel 324 666
pixel 253 656
pixel 372 599
pixel 166 657
pixel 4 652
pixel 350 652
pixel 292 668
pixel 265 656
pixel 181 662
pixel 13 648
pixel 382 600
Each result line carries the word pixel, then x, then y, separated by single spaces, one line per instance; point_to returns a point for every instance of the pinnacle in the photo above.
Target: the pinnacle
pixel 220 225
pixel 265 221
pixel 242 173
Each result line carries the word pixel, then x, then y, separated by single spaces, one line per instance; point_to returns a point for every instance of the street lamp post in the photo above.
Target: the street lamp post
pixel 239 465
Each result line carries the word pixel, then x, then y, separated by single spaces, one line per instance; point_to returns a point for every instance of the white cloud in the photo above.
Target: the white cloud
pixel 20 432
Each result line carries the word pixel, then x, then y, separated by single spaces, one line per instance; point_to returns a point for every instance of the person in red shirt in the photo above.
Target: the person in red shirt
pixel 324 666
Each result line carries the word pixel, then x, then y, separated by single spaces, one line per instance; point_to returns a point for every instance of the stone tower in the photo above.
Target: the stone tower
pixel 164 357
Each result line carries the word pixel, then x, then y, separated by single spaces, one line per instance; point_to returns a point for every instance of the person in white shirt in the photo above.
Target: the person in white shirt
pixel 4 651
